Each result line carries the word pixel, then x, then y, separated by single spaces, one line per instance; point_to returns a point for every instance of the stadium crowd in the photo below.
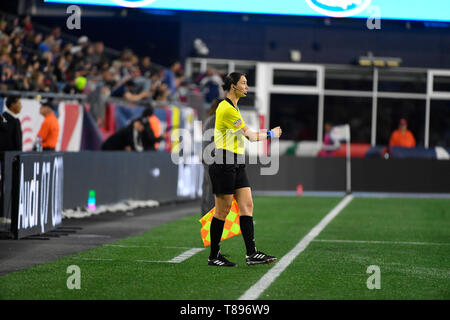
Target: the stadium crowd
pixel 31 60
pixel 35 58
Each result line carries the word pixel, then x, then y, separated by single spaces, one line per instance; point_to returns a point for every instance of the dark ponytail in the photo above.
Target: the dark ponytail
pixel 232 78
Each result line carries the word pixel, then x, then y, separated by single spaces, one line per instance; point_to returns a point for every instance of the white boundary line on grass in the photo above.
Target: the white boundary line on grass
pixel 178 259
pixel 259 287
pixel 126 246
pixel 386 242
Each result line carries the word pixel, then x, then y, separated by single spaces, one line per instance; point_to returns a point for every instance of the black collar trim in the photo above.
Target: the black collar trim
pixel 231 102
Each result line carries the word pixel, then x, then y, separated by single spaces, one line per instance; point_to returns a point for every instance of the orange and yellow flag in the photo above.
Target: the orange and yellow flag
pixel 231 227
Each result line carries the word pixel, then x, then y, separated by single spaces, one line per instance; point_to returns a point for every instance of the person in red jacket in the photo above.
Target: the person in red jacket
pixel 402 137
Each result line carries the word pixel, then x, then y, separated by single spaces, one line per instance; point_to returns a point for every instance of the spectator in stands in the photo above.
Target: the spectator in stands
pixel 16 43
pixel 10 127
pixel 37 39
pixel 89 55
pixel 162 93
pixel 45 45
pixel 135 88
pixel 38 82
pixel 60 70
pixel 141 82
pixel 147 69
pixel 211 85
pixel 402 137
pixel 5 46
pixel 99 57
pixel 3 25
pixel 26 23
pixel 56 33
pixel 7 73
pixel 134 92
pixel 170 76
pixel 49 131
pixel 182 92
pixel 14 27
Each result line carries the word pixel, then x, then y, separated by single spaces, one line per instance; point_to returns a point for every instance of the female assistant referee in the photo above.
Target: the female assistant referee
pixel 228 175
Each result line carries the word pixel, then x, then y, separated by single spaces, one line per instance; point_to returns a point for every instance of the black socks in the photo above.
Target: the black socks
pixel 248 233
pixel 247 230
pixel 216 234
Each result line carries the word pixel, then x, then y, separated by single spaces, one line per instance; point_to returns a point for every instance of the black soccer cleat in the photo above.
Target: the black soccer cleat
pixel 259 258
pixel 220 261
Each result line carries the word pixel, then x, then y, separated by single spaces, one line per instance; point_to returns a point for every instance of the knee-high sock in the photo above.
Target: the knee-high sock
pixel 248 233
pixel 216 234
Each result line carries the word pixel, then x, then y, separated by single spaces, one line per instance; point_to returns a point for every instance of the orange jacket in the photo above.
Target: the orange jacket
pixel 399 139
pixel 155 124
pixel 49 131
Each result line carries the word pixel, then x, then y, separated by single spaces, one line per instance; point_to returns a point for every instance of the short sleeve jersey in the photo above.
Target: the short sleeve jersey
pixel 227 134
pixel 49 131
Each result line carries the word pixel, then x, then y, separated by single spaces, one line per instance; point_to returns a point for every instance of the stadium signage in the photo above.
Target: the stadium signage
pixel 133 4
pixel 339 8
pixel 38 194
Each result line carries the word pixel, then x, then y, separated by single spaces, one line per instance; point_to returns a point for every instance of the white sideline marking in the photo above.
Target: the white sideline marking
pixel 386 242
pixel 137 246
pixel 178 259
pixel 258 288
pixel 186 255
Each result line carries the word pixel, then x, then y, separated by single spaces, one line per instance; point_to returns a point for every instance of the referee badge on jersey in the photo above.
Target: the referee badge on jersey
pixel 238 123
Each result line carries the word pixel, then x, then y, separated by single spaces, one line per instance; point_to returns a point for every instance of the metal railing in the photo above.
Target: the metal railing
pixel 33 94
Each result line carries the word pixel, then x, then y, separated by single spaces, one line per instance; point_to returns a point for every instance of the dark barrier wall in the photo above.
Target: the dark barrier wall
pixel 376 175
pixel 117 176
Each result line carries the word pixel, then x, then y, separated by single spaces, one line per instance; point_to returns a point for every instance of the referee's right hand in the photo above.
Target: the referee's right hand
pixel 276 132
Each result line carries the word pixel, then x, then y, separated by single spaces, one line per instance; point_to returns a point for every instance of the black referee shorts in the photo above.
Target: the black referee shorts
pixel 227 177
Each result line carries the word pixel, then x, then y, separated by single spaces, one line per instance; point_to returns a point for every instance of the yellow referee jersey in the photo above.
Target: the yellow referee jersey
pixel 228 123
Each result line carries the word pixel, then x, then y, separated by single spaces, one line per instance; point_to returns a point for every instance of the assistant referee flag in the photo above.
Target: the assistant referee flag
pixel 231 227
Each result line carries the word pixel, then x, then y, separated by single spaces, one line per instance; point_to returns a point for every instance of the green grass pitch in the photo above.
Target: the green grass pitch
pixel 408 239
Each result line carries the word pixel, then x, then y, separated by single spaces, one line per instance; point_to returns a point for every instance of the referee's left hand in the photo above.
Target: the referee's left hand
pixel 277 132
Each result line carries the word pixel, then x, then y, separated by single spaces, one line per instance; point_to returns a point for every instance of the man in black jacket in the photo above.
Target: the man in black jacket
pixel 10 128
pixel 137 136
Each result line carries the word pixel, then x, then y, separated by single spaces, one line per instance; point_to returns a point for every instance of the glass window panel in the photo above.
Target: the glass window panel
pixel 440 123
pixel 221 67
pixel 390 80
pixel 196 70
pixel 295 77
pixel 390 111
pixel 349 79
pixel 355 111
pixel 441 83
pixel 296 115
